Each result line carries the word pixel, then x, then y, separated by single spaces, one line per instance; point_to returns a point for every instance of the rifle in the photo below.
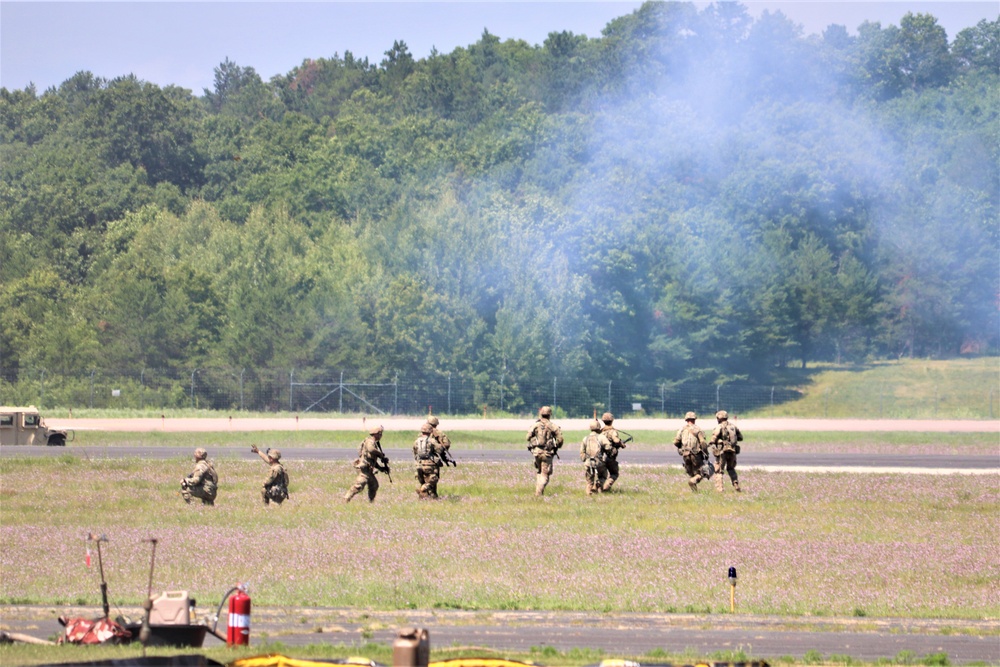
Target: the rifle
pixel 628 438
pixel 385 462
pixel 447 459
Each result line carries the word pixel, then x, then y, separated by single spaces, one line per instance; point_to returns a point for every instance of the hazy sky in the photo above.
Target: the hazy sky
pixel 182 42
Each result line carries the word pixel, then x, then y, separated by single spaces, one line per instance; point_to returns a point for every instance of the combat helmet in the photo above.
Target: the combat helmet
pixel 607 418
pixel 375 430
pixel 274 454
pixel 690 416
pixel 545 411
pixel 595 425
pixel 427 429
pixel 200 454
pixel 433 421
pixel 722 415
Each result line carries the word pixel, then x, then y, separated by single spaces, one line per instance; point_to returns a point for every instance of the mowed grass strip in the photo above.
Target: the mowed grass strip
pixel 821 544
pixel 903 389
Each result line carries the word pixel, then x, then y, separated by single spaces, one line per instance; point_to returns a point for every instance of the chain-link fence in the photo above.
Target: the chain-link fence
pixel 323 391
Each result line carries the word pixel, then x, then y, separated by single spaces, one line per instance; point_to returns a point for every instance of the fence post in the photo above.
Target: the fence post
pixel 41 396
pixel 449 392
pixel 340 405
pixel 717 387
pixel 91 405
pixel 395 394
pixel 242 404
pixel 291 387
pixel 192 386
pixel 609 395
pixel 772 400
pixel 554 393
pixel 663 401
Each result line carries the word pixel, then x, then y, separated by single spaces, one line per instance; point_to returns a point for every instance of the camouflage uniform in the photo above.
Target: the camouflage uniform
pixel 202 482
pixel 690 443
pixel 276 484
pixel 427 454
pixel 725 447
pixel 594 452
pixel 370 459
pixel 611 433
pixel 438 434
pixel 545 439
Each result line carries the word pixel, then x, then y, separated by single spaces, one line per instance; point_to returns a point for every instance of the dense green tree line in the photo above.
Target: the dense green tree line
pixel 692 196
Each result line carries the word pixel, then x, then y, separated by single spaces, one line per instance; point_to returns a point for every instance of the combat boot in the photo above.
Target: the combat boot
pixel 736 485
pixel 693 483
pixel 348 496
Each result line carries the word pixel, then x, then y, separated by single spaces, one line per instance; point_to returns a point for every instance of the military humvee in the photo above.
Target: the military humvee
pixel 24 426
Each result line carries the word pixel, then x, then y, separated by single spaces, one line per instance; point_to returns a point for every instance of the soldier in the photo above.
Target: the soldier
pixel 371 459
pixel 690 443
pixel 611 433
pixel 443 440
pixel 276 485
pixel 427 454
pixel 725 446
pixel 594 452
pixel 202 482
pixel 544 441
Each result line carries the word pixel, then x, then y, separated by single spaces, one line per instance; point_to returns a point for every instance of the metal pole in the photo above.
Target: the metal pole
pixel 449 392
pixel 92 388
pixel 395 394
pixel 192 386
pixel 553 393
pixel 663 402
pixel 291 387
pixel 142 383
pixel 340 405
pixel 609 395
pixel 717 387
pixel 242 404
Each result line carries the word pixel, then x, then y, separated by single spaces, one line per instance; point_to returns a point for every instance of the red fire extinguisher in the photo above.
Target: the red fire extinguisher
pixel 238 630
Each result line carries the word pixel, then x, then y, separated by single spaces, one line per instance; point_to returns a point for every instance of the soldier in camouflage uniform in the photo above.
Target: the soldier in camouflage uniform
pixel 202 482
pixel 276 485
pixel 443 440
pixel 725 446
pixel 371 459
pixel 594 452
pixel 544 441
pixel 611 433
pixel 427 455
pixel 690 443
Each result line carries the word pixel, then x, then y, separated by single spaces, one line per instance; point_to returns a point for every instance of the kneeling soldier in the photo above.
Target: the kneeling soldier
pixel 202 482
pixel 276 485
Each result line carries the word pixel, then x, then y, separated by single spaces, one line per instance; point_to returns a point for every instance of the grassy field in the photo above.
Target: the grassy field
pixel 905 389
pixel 811 544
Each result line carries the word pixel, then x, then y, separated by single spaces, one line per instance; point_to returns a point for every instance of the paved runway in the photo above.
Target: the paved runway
pixel 616 634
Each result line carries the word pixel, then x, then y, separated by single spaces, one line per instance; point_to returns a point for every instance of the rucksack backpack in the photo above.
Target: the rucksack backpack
pixel 424 448
pixel 689 442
